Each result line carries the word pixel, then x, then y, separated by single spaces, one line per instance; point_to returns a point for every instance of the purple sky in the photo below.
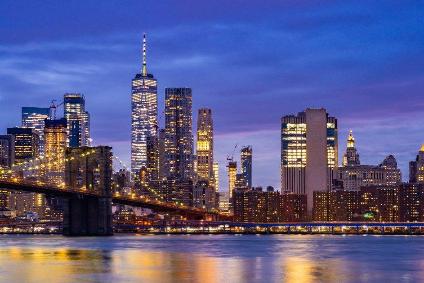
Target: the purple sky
pixel 251 63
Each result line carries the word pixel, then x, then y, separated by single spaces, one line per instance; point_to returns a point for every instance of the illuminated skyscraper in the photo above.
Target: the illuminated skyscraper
pixel 78 120
pixel 351 157
pixel 309 150
pixel 204 148
pixel 33 117
pixel 55 147
pixel 246 165
pixel 216 175
pixel 416 168
pixel 144 112
pixel 232 175
pixel 25 143
pixel 178 133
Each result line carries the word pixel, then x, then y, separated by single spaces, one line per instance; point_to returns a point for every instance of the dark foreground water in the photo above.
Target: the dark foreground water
pixel 212 258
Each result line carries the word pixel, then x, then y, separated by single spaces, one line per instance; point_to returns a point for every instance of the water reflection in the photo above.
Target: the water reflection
pixel 211 259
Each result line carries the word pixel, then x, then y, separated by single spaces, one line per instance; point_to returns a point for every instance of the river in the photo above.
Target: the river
pixel 212 258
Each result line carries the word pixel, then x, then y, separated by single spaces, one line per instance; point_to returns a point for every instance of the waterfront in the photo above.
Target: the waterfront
pixel 212 258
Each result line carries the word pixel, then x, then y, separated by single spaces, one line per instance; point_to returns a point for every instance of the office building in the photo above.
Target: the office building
pixel 7 151
pixel 216 175
pixel 26 143
pixel 416 168
pixel 232 177
pixel 33 117
pixel 352 175
pixel 204 146
pixel 55 146
pixel 178 133
pixel 144 112
pixel 309 153
pixel 204 196
pixel 78 120
pixel 246 165
pixel 351 157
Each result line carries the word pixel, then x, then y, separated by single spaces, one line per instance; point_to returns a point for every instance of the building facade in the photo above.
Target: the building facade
pixel 246 165
pixel 7 151
pixel 353 175
pixel 33 117
pixel 204 147
pixel 309 153
pixel 78 120
pixel 55 146
pixel 144 112
pixel 416 168
pixel 232 177
pixel 26 143
pixel 178 133
pixel 351 157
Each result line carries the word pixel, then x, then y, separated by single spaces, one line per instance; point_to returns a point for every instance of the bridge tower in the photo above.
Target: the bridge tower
pixel 88 169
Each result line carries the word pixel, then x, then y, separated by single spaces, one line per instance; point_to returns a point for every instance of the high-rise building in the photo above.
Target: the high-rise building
pixel 351 157
pixel 232 177
pixel 309 153
pixel 179 136
pixel 152 164
pixel 144 112
pixel 78 120
pixel 26 143
pixel 246 165
pixel 33 117
pixel 162 157
pixel 416 168
pixel 204 146
pixel 55 147
pixel 216 175
pixel 7 151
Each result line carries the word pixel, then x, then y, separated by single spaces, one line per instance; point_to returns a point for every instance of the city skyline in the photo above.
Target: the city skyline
pixel 359 94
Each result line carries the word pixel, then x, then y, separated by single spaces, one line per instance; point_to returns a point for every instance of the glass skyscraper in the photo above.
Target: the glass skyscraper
pixel 144 112
pixel 179 133
pixel 33 117
pixel 246 165
pixel 78 120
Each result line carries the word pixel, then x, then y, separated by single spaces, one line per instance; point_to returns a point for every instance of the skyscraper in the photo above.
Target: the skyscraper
pixel 232 175
pixel 55 147
pixel 25 143
pixel 7 151
pixel 204 146
pixel 416 168
pixel 246 165
pixel 351 157
pixel 33 117
pixel 179 136
pixel 78 120
pixel 144 112
pixel 309 152
pixel 216 175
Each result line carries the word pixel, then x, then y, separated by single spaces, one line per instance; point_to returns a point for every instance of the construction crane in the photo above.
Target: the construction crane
pixel 53 108
pixel 231 157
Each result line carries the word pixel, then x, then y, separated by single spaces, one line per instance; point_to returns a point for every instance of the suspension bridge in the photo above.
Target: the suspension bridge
pixel 84 182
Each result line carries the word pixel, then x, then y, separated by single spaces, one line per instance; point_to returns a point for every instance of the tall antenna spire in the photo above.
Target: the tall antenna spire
pixel 144 70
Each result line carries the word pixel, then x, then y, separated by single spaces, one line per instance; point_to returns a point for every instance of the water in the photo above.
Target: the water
pixel 212 258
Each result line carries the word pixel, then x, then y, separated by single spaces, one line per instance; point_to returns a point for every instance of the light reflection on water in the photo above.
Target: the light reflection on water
pixel 217 258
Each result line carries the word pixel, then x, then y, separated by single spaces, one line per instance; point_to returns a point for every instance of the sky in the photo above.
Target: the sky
pixel 252 62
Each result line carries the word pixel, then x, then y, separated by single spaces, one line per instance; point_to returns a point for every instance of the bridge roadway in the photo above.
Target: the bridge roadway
pixel 136 201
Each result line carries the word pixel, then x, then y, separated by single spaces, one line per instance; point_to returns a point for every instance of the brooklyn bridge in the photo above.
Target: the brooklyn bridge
pixel 88 193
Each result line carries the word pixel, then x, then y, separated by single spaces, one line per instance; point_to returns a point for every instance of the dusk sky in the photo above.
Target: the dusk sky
pixel 249 61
